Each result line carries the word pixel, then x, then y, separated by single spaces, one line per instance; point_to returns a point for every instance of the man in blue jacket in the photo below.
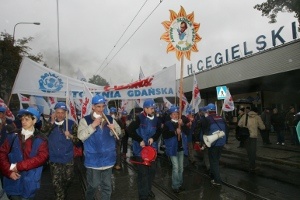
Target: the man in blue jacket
pixel 60 141
pixel 217 123
pixel 145 130
pixel 99 149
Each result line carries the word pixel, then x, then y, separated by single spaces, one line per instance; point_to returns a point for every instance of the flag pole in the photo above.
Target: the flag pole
pixel 67 102
pixel 180 92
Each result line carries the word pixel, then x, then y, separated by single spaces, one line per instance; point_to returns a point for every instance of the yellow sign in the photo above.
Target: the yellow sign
pixel 181 33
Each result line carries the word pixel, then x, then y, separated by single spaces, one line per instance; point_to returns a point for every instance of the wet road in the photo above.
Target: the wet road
pixel 238 184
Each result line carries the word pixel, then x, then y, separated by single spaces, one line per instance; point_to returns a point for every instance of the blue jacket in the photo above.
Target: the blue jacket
pixel 60 148
pixel 217 123
pixel 146 130
pixel 171 143
pixel 100 147
pixel 29 181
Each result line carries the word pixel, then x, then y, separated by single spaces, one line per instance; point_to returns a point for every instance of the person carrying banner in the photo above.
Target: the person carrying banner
pixel 145 130
pixel 62 137
pixel 95 131
pixel 22 157
pixel 176 147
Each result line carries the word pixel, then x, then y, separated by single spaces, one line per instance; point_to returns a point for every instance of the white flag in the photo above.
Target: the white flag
pixel 228 104
pixel 127 105
pixel 52 101
pixel 184 103
pixel 140 102
pixel 196 99
pixel 86 105
pixel 80 76
pixel 23 100
pixel 72 110
pixel 167 103
pixel 141 74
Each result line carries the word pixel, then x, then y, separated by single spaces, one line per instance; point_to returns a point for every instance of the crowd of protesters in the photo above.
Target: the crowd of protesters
pixel 32 140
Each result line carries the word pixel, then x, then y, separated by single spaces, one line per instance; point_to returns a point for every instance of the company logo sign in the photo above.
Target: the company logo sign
pixel 50 83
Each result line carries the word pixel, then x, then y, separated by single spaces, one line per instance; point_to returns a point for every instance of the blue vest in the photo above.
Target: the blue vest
pixel 217 123
pixel 100 147
pixel 60 148
pixel 172 143
pixel 146 131
pixel 29 182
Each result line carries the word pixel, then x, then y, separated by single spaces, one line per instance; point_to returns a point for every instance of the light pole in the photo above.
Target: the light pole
pixel 35 23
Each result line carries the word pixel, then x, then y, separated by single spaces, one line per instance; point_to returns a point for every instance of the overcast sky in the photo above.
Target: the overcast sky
pixel 89 29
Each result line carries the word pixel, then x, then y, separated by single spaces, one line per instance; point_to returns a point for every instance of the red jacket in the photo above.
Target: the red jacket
pixel 27 163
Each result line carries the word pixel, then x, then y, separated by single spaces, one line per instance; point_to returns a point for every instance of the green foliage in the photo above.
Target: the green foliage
pixel 98 80
pixel 10 60
pixel 272 7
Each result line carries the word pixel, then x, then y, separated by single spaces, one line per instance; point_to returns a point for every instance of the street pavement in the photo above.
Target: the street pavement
pixel 279 164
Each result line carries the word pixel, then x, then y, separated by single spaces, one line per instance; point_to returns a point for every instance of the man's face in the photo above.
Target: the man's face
pixel 60 114
pixel 174 115
pixel 98 108
pixel 182 27
pixel 149 111
pixel 27 122
pixel 2 116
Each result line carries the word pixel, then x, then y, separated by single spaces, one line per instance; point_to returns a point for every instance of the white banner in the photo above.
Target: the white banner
pixel 228 104
pixel 35 79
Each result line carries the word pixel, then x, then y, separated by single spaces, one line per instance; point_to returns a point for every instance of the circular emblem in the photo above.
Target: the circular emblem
pixel 182 34
pixel 50 83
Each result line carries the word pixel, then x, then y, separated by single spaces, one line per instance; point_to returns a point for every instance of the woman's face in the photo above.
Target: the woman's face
pixel 27 122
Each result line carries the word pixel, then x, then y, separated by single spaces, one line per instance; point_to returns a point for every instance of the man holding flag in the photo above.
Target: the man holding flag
pixel 61 137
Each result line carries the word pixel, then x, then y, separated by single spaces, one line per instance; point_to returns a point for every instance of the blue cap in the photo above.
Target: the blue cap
pixel 149 103
pixel 124 112
pixel 211 106
pixel 97 99
pixel 61 105
pixel 2 109
pixel 173 109
pixel 113 110
pixel 190 112
pixel 32 111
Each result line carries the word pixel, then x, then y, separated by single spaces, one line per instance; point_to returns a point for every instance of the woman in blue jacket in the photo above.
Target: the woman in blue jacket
pixel 174 134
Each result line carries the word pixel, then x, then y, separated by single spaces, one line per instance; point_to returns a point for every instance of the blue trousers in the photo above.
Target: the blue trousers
pixel 177 169
pixel 96 178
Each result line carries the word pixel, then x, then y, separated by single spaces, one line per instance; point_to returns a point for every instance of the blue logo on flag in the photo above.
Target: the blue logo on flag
pixel 50 83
